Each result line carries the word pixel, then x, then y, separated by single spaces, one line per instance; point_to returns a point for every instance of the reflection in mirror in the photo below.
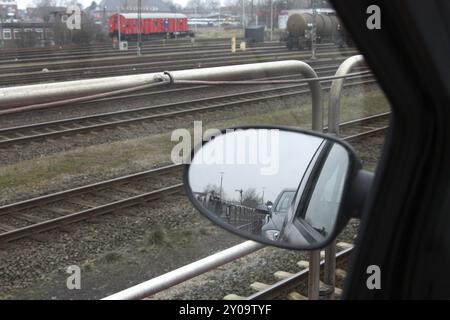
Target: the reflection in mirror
pixel 274 186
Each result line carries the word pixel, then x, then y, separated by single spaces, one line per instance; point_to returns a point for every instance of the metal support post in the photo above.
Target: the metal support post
pixel 314 32
pixel 334 105
pixel 334 110
pixel 330 270
pixel 314 275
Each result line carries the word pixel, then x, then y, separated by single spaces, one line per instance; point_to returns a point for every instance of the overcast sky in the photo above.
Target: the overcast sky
pixel 291 162
pixel 27 3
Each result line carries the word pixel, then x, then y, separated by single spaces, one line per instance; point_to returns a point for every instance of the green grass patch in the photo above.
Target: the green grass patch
pixel 111 257
pixel 157 237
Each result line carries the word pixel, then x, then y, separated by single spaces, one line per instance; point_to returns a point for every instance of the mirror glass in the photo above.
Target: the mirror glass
pixel 273 186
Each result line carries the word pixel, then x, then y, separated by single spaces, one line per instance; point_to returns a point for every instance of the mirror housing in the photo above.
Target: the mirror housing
pixel 317 185
pixel 263 209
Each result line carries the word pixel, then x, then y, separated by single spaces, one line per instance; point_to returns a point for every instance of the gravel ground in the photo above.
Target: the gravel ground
pixel 164 235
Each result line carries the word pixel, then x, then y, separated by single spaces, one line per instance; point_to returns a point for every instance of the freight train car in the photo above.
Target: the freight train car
pixel 328 29
pixel 153 25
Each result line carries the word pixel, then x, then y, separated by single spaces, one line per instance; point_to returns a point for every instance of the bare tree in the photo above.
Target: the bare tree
pixel 196 5
pixel 174 7
pixel 44 3
pixel 213 5
pixel 214 190
pixel 251 198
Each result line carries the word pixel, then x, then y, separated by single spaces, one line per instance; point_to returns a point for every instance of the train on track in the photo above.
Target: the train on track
pixel 329 29
pixel 153 25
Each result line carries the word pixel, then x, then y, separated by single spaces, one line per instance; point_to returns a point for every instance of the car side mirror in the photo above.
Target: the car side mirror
pixel 269 205
pixel 263 209
pixel 228 177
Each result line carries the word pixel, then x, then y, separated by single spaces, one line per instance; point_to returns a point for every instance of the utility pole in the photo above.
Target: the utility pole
pixel 195 15
pixel 221 184
pixel 240 192
pixel 243 14
pixel 219 16
pixel 118 25
pixel 104 20
pixel 263 188
pixel 314 31
pixel 252 13
pixel 271 19
pixel 1 30
pixel 139 38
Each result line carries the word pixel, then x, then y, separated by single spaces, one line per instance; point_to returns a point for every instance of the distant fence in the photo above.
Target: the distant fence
pixel 242 217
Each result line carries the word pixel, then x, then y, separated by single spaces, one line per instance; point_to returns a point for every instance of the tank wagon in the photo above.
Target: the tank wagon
pixel 153 25
pixel 328 29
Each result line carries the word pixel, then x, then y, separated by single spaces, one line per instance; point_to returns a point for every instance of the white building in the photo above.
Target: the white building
pixel 8 9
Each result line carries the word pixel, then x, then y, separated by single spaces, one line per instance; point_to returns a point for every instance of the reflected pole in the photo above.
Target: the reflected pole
pixel 264 188
pixel 240 192
pixel 221 184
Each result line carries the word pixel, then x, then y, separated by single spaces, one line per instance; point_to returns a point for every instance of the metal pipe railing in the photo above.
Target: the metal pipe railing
pixel 334 104
pixel 165 281
pixel 11 97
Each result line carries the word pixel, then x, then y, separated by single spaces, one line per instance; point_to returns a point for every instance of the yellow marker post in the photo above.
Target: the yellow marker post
pixel 233 45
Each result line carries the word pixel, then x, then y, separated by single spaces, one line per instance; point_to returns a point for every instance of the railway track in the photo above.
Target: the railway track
pixel 31 217
pixel 93 53
pixel 42 55
pixel 89 61
pixel 18 78
pixel 98 122
pixel 23 53
pixel 290 286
